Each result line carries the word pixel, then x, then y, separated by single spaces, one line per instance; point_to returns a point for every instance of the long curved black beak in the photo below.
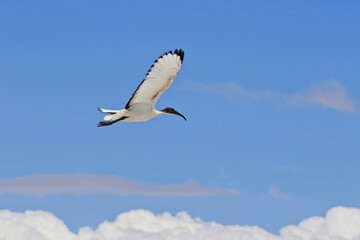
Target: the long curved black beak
pixel 173 111
pixel 179 114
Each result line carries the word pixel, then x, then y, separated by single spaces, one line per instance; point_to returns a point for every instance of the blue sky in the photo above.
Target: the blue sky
pixel 270 91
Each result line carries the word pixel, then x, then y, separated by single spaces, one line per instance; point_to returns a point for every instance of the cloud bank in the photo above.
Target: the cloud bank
pixel 340 223
pixel 328 94
pixel 79 184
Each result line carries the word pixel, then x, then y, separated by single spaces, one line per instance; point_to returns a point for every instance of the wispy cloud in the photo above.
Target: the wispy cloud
pixel 278 194
pixel 79 184
pixel 328 94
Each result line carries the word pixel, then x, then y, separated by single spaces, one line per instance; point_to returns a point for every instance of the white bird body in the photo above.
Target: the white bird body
pixel 137 113
pixel 141 105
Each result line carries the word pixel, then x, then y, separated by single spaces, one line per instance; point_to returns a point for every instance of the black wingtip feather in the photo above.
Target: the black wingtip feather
pixel 104 123
pixel 180 53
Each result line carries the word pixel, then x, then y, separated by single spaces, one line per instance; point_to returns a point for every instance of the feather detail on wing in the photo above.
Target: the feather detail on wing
pixel 158 79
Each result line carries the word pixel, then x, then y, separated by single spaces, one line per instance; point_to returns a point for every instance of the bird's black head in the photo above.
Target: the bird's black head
pixel 172 111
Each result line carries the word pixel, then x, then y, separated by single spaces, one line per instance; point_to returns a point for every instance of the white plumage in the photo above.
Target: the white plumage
pixel 141 106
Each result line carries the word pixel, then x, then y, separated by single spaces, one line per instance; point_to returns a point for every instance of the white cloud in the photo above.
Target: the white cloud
pixel 41 185
pixel 141 224
pixel 32 225
pixel 328 94
pixel 340 223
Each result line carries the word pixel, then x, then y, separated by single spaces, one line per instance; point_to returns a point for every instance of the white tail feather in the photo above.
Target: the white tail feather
pixel 108 110
pixel 108 117
pixel 114 115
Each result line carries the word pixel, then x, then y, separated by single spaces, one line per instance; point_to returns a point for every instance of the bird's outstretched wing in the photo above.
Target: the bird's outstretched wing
pixel 159 78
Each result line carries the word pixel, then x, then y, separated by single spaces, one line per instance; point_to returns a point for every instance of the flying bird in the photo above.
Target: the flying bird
pixel 141 105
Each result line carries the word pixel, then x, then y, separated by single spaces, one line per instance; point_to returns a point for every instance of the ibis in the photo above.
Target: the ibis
pixel 141 105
